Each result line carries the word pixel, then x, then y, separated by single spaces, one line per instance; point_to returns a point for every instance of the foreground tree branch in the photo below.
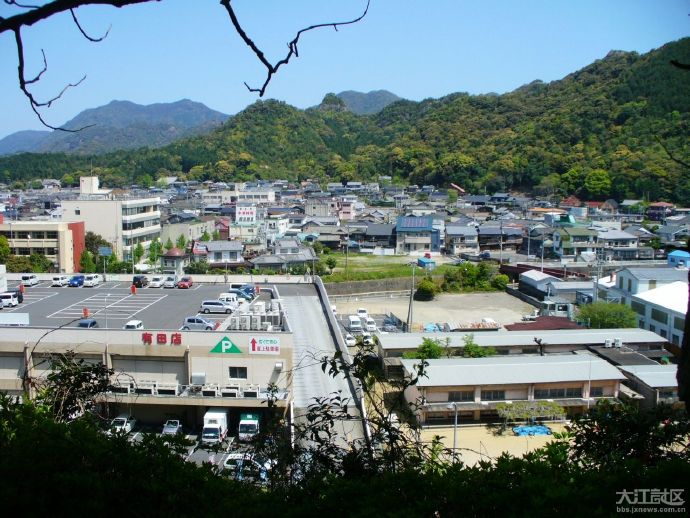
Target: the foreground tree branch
pixel 271 69
pixel 35 14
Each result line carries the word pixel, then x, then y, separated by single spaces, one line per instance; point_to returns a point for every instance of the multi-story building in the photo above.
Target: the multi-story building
pixel 123 221
pixel 61 242
pixel 461 239
pixel 662 311
pixel 573 241
pixel 616 245
pixel 416 234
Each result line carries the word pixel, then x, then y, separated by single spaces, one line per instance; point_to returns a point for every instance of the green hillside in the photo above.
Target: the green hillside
pixel 597 132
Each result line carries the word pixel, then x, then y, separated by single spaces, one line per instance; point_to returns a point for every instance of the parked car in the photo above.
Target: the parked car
pixel 18 292
pixel 87 323
pixel 370 324
pixel 76 281
pixel 350 340
pixel 186 282
pixel 134 324
pixel 140 281
pixel 124 423
pixel 197 324
pixel 92 280
pixel 366 338
pixel 29 280
pixel 172 427
pixel 216 306
pixel 362 313
pixel 156 281
pixel 246 467
pixel 60 280
pixel 170 281
pixel 241 294
pixel 247 288
pixel 9 299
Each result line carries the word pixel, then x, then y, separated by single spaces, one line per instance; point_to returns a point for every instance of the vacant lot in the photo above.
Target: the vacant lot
pixel 475 443
pixel 456 308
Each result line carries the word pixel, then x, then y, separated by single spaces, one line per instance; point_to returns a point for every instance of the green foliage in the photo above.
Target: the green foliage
pixel 138 253
pixel 530 410
pixel 169 244
pixel 426 289
pixel 86 262
pixel 500 282
pixel 469 276
pixel 18 264
pixel 155 250
pixel 40 263
pixel 205 237
pixel 331 262
pixel 607 315
pixel 216 235
pixel 472 349
pixel 430 349
pixel 181 242
pixel 605 117
pixel 4 249
pixel 92 241
pixel 197 267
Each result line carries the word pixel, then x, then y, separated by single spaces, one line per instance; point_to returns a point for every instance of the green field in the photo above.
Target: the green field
pixel 362 267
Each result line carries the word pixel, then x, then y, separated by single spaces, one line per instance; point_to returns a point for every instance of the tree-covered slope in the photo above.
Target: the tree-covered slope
pixel 611 129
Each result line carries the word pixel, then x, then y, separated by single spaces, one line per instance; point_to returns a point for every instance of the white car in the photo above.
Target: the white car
pixel 134 324
pixel 29 280
pixel 156 281
pixel 124 423
pixel 170 281
pixel 370 324
pixel 60 280
pixel 92 280
pixel 362 313
pixel 350 340
pixel 366 338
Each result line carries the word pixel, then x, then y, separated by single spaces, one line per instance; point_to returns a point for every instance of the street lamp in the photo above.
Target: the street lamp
pixel 409 311
pixel 453 405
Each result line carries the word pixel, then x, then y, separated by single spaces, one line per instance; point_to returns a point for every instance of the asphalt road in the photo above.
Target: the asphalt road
pixel 312 341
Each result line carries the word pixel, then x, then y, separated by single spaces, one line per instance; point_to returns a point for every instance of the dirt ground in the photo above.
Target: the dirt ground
pixel 456 308
pixel 475 443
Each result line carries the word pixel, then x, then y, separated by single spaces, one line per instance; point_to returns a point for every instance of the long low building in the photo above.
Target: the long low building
pixel 160 373
pixel 476 386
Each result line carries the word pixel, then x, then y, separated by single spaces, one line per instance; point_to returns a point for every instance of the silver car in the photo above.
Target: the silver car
pixel 215 306
pixel 197 324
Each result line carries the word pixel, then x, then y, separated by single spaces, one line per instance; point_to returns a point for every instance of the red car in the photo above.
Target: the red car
pixel 185 282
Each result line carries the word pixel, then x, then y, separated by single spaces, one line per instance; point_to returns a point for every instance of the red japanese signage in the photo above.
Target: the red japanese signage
pixel 161 338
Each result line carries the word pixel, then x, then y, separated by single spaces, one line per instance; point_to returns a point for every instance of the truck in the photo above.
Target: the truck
pixel 215 426
pixel 249 427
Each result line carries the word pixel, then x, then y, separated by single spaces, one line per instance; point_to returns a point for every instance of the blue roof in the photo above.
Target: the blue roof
pixel 679 253
pixel 414 224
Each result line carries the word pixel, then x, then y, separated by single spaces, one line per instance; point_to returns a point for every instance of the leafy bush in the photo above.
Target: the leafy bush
pixel 608 315
pixel 426 290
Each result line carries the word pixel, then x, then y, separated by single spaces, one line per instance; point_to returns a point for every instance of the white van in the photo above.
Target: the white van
pixel 9 299
pixel 60 280
pixel 29 280
pixel 92 280
pixel 354 324
pixel 230 298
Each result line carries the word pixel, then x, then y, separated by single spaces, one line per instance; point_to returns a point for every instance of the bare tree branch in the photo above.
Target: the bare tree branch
pixel 292 45
pixel 678 64
pixel 23 6
pixel 83 32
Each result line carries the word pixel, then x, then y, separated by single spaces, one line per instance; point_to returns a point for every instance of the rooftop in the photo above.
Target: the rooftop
pixel 655 376
pixel 658 274
pixel 500 370
pixel 672 296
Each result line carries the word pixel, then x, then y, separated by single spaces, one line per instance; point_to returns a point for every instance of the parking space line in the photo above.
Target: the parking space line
pixel 24 304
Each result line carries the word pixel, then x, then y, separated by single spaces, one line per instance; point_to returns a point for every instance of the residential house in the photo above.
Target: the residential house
pixel 285 254
pixel 618 245
pixel 380 235
pixel 493 237
pixel 174 261
pixel 673 234
pixel 573 241
pixel 461 239
pixel 678 258
pixel 535 283
pixel 658 211
pixel 222 254
pixel 416 234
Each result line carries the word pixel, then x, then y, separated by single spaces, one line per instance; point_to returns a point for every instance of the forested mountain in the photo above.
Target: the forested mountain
pixel 367 103
pixel 120 125
pixel 599 132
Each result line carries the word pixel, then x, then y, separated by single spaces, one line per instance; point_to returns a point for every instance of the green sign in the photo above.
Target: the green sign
pixel 226 346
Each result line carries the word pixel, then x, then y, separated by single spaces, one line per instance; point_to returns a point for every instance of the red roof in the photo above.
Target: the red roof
pixel 661 204
pixel 544 324
pixel 571 201
pixel 174 252
pixel 594 204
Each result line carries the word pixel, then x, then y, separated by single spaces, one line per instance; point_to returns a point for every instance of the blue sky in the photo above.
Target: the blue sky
pixel 166 51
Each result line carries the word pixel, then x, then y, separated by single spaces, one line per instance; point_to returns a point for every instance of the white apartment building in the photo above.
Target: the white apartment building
pixel 122 221
pixel 662 310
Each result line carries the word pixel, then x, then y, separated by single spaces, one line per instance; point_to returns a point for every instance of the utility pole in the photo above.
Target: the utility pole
pixel 500 243
pixel 409 311
pixel 543 239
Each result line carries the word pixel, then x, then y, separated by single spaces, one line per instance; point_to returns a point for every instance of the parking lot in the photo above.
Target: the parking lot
pixel 112 304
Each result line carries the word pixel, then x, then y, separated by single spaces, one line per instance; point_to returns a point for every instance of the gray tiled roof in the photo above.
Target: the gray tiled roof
pixel 659 274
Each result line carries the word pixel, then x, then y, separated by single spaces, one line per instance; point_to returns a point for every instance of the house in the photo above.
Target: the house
pixel 416 234
pixel 678 258
pixel 461 238
pixel 655 383
pixel 492 237
pixel 285 254
pixel 617 245
pixel 573 241
pixel 476 386
pixel 660 210
pixel 221 254
pixel 662 311
pixel 673 234
pixel 570 202
pixel 381 235
pixel 632 281
pixel 174 260
pixel 535 283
